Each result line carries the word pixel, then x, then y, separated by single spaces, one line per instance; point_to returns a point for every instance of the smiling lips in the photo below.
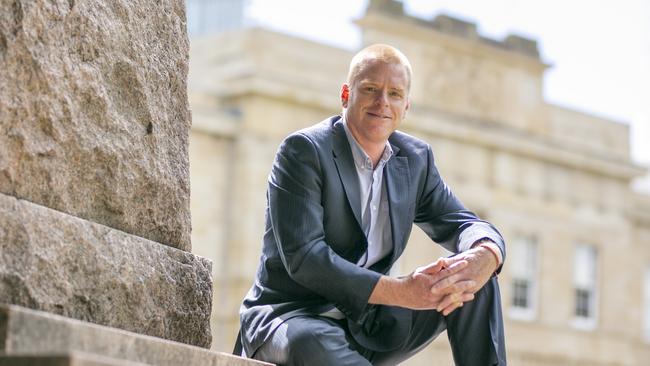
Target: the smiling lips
pixel 378 115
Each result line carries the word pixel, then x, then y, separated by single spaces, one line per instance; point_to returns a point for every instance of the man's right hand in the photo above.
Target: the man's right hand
pixel 416 291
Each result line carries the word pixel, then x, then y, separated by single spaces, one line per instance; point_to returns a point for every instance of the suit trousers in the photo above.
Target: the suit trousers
pixel 475 332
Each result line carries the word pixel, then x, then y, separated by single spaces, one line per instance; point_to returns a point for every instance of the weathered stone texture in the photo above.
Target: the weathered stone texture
pixel 94 116
pixel 27 331
pixel 61 264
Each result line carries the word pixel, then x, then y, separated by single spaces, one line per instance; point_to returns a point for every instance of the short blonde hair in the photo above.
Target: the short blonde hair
pixel 381 52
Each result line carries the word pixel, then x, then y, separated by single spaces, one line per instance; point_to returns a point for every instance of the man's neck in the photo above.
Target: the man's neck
pixel 374 150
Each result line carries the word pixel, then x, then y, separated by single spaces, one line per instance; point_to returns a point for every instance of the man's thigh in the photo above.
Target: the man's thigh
pixel 426 326
pixel 475 332
pixel 311 341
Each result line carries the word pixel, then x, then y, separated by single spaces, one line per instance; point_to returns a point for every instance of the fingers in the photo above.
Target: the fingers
pixel 462 293
pixel 459 287
pixel 439 264
pixel 448 277
pixel 448 262
pixel 449 268
pixel 432 268
pixel 452 302
pixel 449 309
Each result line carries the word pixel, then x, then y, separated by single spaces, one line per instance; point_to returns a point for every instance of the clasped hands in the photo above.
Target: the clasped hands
pixel 451 281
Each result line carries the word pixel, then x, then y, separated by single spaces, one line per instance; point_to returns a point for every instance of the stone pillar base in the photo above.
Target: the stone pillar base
pixel 65 265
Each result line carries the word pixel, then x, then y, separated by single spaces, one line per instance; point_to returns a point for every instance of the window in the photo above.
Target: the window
pixel 522 261
pixel 584 284
pixel 646 306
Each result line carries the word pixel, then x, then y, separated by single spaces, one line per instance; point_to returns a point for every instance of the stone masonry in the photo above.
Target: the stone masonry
pixel 66 265
pixel 94 115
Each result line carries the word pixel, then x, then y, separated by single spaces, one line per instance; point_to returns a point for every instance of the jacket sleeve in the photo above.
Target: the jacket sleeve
pixel 444 218
pixel 296 215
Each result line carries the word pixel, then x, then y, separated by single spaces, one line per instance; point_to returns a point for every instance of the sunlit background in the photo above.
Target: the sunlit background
pixel 569 198
pixel 599 50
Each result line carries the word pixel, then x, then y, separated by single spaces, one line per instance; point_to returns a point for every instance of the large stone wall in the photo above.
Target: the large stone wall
pixel 94 167
pixel 94 117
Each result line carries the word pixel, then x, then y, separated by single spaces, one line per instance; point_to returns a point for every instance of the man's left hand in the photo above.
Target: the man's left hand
pixel 481 265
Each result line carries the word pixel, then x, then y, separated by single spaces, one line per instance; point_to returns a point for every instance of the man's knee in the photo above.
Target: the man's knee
pixel 486 305
pixel 488 292
pixel 310 341
pixel 306 343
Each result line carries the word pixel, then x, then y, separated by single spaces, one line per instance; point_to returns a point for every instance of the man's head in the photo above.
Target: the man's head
pixel 379 52
pixel 375 97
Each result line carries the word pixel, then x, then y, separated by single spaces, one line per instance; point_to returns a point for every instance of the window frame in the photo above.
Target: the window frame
pixel 529 313
pixel 590 322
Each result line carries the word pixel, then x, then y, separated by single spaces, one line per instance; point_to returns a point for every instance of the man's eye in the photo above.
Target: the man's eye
pixel 371 88
pixel 396 94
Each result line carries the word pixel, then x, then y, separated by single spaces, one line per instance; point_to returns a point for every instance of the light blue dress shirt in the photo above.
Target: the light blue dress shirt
pixel 375 220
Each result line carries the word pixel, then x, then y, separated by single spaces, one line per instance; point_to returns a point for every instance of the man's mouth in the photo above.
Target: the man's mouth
pixel 378 115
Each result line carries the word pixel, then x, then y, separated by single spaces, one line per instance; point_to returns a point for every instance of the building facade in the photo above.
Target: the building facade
pixel 556 182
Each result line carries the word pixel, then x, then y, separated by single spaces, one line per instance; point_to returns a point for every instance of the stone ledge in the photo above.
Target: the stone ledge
pixel 65 265
pixel 28 331
pixel 67 359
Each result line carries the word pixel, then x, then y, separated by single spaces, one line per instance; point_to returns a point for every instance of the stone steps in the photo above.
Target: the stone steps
pixel 30 337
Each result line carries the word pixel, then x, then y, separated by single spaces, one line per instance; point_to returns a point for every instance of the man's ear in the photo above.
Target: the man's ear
pixel 345 94
pixel 408 106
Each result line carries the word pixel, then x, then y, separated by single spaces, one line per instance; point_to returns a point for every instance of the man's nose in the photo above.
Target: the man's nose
pixel 382 98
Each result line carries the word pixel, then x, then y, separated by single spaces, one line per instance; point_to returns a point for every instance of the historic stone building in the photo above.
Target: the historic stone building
pixel 556 181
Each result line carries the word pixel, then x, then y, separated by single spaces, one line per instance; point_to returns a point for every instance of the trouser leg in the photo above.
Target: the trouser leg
pixel 475 332
pixel 426 326
pixel 311 341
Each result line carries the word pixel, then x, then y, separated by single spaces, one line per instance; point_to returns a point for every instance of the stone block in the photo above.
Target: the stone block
pixel 65 265
pixel 94 117
pixel 24 330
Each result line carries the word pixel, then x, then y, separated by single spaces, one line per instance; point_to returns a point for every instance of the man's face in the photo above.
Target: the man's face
pixel 376 101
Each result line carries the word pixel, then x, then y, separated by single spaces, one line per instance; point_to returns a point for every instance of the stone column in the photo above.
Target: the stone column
pixel 94 172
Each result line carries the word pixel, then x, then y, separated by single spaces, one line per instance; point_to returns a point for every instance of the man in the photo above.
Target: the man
pixel 342 198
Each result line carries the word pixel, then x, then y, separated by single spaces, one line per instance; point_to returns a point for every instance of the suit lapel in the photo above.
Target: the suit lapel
pixel 397 180
pixel 397 187
pixel 345 166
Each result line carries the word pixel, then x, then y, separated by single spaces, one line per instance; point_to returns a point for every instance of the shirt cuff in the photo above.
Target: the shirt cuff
pixel 474 233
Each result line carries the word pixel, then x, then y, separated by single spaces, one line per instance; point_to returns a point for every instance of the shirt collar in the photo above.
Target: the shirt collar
pixel 361 159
